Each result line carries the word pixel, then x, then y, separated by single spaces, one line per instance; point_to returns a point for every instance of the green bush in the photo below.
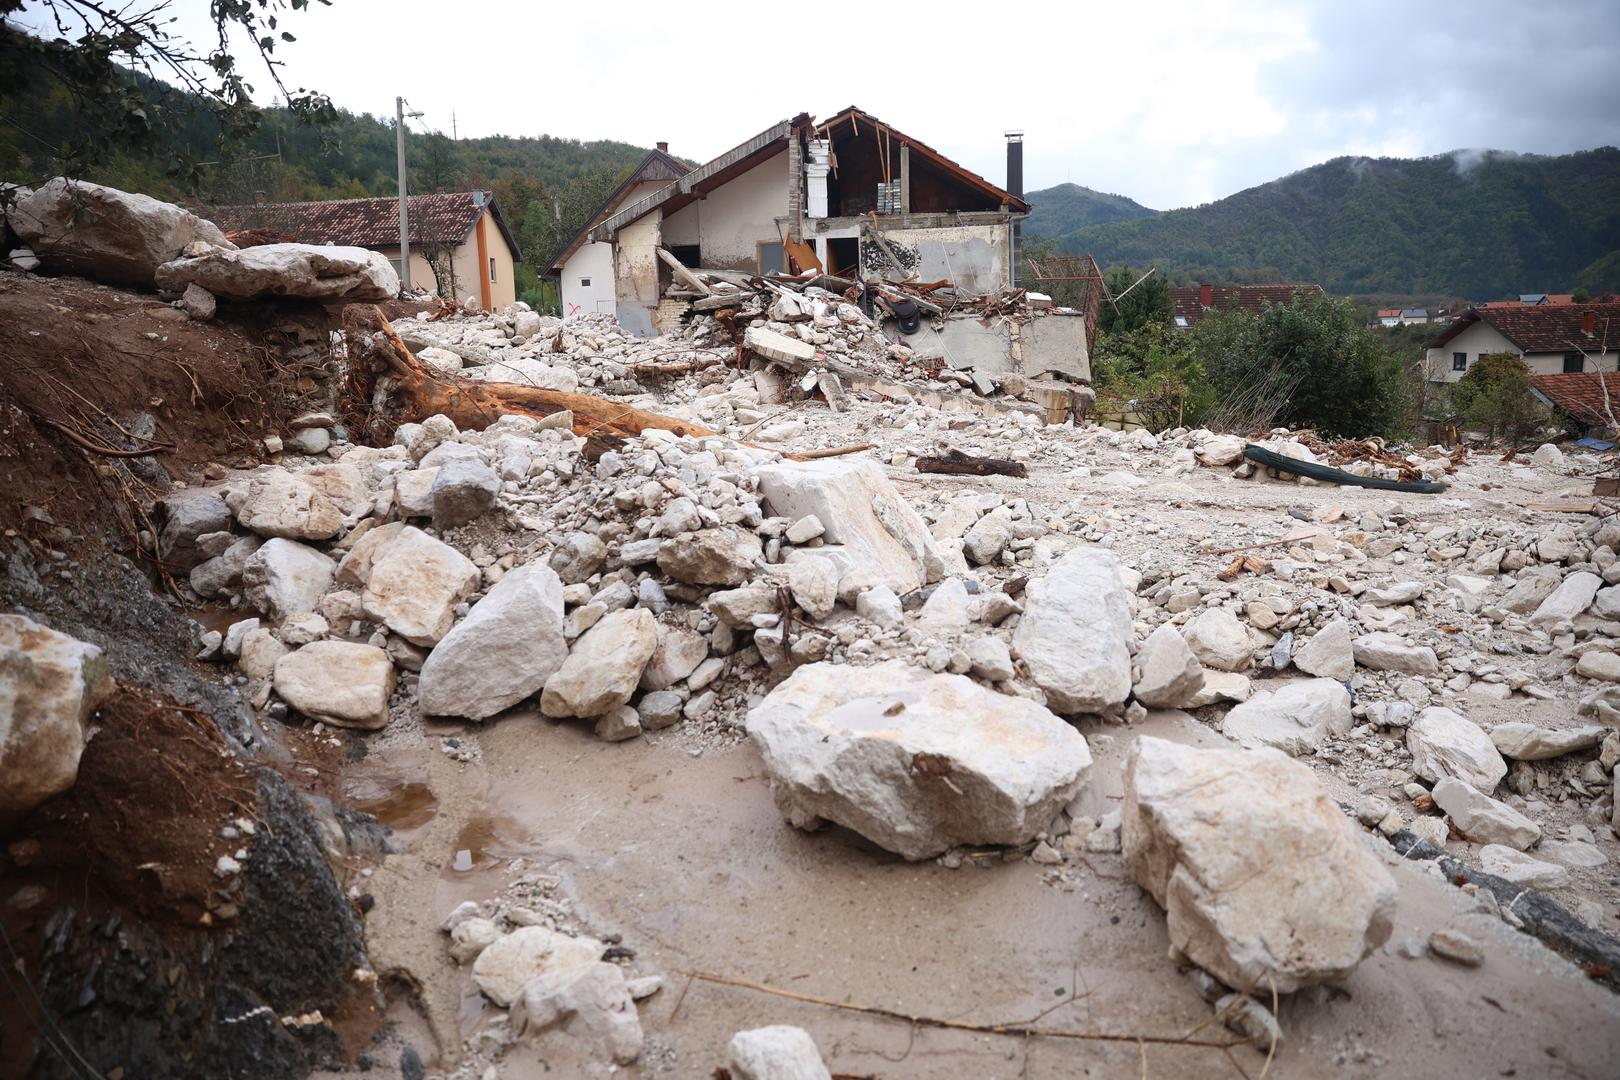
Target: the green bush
pixel 1345 381
pixel 1152 375
pixel 1495 395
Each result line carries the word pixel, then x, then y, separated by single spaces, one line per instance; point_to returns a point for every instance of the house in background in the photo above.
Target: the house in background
pixel 1189 304
pixel 851 196
pixel 1389 317
pixel 584 268
pixel 460 243
pixel 1414 316
pixel 1552 338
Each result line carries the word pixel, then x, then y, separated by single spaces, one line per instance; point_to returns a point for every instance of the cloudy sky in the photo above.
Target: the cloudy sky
pixel 1172 104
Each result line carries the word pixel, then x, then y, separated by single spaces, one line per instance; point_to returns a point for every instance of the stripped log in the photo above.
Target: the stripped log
pixel 388 386
pixel 968 465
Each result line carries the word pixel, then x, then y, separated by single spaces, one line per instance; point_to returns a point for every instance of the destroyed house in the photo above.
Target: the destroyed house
pixel 1191 303
pixel 460 243
pixel 851 196
pixel 584 267
pixel 1552 338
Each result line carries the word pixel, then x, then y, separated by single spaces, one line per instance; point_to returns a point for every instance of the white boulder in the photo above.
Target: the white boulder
pixel 303 271
pixel 778 1052
pixel 285 578
pixel 1573 596
pixel 529 952
pixel 50 686
pixel 587 1007
pixel 1444 743
pixel 604 667
pixel 506 648
pixel 1075 633
pixel 913 761
pixel 1264 881
pixel 1294 719
pixel 1168 675
pixel 279 503
pixel 414 584
pixel 1328 653
pixel 339 682
pixel 1383 651
pixel 1483 819
pixel 1219 640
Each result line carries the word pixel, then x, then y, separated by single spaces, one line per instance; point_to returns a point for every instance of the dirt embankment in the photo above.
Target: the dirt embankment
pixel 176 912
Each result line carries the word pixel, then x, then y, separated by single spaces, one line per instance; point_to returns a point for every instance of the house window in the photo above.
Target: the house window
pixel 771 259
pixel 584 282
pixel 492 270
pixel 1574 362
pixel 1459 361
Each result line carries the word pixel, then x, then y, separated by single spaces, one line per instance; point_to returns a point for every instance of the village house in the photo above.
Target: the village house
pixel 584 268
pixel 851 196
pixel 1191 303
pixel 1552 339
pixel 1389 317
pixel 460 244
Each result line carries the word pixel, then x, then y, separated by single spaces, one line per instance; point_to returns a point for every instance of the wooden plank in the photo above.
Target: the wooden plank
pixel 682 274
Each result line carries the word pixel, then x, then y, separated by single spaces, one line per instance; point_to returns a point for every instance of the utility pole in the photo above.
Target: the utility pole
pixel 404 213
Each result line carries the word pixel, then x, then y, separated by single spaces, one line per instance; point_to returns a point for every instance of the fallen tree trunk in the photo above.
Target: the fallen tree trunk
pixel 968 465
pixel 388 386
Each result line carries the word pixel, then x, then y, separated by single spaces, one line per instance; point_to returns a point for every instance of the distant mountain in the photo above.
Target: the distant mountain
pixel 1067 207
pixel 1479 224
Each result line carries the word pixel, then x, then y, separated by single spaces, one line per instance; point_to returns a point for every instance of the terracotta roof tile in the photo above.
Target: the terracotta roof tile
pixel 1545 328
pixel 438 218
pixel 1581 394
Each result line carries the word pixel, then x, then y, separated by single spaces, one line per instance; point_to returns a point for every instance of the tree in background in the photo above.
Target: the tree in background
pixel 1495 395
pixel 438 165
pixel 1148 302
pixel 90 50
pixel 1151 376
pixel 1344 380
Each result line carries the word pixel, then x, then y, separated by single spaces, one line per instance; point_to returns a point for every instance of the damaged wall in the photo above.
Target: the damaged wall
pixel 635 273
pixel 973 257
pixel 998 346
pixel 742 213
pixel 587 281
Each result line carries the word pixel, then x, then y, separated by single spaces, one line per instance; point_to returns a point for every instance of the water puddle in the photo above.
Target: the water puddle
pixel 484 842
pixel 408 806
pixel 218 618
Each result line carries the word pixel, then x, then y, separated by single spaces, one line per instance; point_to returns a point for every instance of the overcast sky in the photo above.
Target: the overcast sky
pixel 1172 104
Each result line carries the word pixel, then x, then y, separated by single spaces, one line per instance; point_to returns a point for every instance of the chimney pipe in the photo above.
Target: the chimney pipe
pixel 663 148
pixel 1589 322
pixel 1015 186
pixel 1206 296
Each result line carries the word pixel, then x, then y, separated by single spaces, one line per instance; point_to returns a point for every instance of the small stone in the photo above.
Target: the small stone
pixel 1456 946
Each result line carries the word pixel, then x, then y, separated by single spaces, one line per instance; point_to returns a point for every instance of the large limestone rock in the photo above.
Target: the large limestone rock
pixel 303 271
pixel 604 667
pixel 915 762
pixel 284 577
pixel 415 584
pixel 1533 586
pixel 677 655
pixel 885 539
pixel 1573 596
pixel 1444 743
pixel 1481 818
pixel 1169 676
pixel 1219 640
pixel 1264 881
pixel 77 227
pixel 530 952
pixel 1329 653
pixel 462 490
pixel 50 685
pixel 502 652
pixel 278 503
pixel 1527 742
pixel 1383 651
pixel 223 572
pixel 724 556
pixel 1075 633
pixel 339 682
pixel 1294 719
pixel 778 1052
pixel 587 1006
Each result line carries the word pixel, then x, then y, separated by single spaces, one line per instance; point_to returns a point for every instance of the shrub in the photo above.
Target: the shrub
pixel 1495 395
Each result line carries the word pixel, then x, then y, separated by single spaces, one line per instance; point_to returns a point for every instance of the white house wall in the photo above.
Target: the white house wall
pixel 592 263
pixel 1480 339
pixel 683 227
pixel 742 213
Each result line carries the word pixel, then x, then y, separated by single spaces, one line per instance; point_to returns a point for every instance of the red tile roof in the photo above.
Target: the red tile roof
pixel 440 218
pixel 1581 395
pixel 1389 313
pixel 1544 328
pixel 1188 302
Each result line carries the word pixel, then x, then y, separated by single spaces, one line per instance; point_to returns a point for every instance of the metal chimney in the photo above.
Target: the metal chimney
pixel 1015 186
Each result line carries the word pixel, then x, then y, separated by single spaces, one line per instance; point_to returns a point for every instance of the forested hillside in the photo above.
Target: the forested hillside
pixel 1475 225
pixel 1067 207
pixel 546 186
